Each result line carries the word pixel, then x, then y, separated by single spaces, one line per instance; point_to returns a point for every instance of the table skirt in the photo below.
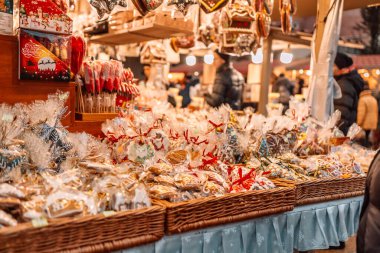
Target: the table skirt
pixel 309 227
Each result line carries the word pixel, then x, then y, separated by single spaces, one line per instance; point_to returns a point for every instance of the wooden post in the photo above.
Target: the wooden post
pixel 323 9
pixel 265 75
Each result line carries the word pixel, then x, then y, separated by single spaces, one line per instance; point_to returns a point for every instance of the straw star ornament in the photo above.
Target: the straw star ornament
pixel 182 5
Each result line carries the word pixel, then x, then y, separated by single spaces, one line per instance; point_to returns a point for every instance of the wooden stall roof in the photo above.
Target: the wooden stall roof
pixel 307 8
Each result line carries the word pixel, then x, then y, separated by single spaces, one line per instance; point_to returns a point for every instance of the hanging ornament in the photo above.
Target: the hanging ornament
pixel 145 6
pixel 104 7
pixel 264 6
pixel 268 6
pixel 258 5
pixel 209 6
pixel 287 9
pixel 237 17
pixel 207 34
pixel 182 5
pixel 111 4
pixel 185 42
pixel 100 6
pixel 247 43
pixel 263 21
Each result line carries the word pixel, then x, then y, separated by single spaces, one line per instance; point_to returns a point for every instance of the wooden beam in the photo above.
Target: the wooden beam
pixel 308 8
pixel 265 75
pixel 277 34
pixel 305 39
pixel 323 9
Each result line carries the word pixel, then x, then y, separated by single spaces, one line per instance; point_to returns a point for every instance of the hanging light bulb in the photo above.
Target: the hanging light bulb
pixel 286 55
pixel 208 58
pixel 258 57
pixel 191 60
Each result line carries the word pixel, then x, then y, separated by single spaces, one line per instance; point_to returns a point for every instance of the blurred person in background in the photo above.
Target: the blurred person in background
pixel 282 81
pixel 196 89
pixel 300 85
pixel 228 84
pixel 368 236
pixel 190 81
pixel 376 133
pixel 146 75
pixel 351 84
pixel 285 89
pixel 367 117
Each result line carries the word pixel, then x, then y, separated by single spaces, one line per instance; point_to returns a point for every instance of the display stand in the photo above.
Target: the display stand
pixel 14 90
pixel 161 26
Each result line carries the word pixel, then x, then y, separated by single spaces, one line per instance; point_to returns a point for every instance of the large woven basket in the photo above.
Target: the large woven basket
pixel 96 233
pixel 210 211
pixel 325 189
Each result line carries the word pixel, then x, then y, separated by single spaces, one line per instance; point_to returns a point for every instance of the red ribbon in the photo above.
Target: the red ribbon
pixel 111 137
pixel 186 135
pixel 193 140
pixel 173 136
pixel 209 153
pixel 242 179
pixel 216 126
pixel 211 161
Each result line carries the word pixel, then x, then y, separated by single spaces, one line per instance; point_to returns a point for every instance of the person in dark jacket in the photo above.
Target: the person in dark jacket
pixel 285 88
pixel 228 84
pixel 351 84
pixel 368 237
pixel 300 85
pixel 190 81
pixel 282 81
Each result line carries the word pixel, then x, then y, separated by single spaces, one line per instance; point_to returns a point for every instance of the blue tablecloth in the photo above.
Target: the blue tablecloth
pixel 309 227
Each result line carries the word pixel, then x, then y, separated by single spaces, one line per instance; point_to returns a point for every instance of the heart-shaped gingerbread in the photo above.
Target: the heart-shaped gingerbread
pixel 145 6
pixel 209 6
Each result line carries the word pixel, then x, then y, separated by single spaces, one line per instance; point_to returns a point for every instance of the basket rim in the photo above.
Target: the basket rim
pixel 315 180
pixel 333 179
pixel 156 209
pixel 168 204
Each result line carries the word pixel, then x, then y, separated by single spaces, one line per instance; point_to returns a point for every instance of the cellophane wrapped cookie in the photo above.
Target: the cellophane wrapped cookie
pixel 13 155
pixel 160 153
pixel 63 175
pixel 10 204
pixel 45 138
pixel 246 178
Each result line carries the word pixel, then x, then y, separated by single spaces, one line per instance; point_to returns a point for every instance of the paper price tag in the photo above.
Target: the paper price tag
pixel 40 222
pixel 108 213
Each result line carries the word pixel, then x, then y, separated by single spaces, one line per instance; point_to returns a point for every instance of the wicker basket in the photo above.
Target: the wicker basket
pixel 96 233
pixel 205 212
pixel 320 190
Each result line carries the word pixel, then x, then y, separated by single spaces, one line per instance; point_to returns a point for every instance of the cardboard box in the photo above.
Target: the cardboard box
pixel 6 17
pixel 44 56
pixel 45 16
